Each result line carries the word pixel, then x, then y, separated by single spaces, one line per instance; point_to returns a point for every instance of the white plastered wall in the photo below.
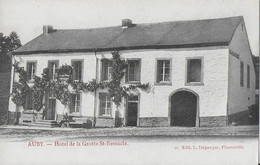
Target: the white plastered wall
pixel 240 98
pixel 155 102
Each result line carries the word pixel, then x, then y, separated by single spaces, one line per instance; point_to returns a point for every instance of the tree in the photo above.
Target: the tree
pixel 7 45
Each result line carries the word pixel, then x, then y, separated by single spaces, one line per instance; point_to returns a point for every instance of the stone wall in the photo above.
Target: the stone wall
pixel 153 121
pixel 213 121
pixel 105 122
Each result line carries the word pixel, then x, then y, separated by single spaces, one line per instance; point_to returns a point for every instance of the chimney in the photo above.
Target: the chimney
pixel 126 23
pixel 47 29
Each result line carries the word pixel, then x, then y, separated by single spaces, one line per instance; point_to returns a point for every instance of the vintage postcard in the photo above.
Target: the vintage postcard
pixel 129 82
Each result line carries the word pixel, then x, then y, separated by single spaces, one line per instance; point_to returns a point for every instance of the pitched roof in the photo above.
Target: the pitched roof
pixel 154 35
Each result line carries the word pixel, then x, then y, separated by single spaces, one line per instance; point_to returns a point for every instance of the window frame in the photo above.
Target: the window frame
pixel 201 83
pixel 82 69
pixel 49 62
pixel 109 61
pixel 157 72
pixel 127 71
pixel 100 101
pixel 74 113
pixel 35 70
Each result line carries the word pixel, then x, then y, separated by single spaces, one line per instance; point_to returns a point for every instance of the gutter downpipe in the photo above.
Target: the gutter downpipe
pixel 95 94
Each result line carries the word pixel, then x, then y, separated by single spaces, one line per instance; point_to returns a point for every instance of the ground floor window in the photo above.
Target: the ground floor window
pixel 105 105
pixel 75 103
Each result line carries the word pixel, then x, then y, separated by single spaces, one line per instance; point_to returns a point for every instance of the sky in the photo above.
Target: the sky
pixel 27 17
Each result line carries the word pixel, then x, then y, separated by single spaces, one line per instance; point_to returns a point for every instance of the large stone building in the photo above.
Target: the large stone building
pixel 200 72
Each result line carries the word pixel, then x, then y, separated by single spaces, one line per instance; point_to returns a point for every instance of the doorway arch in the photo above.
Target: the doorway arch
pixel 184 108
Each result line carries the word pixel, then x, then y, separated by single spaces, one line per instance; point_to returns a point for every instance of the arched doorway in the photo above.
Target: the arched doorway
pixel 184 109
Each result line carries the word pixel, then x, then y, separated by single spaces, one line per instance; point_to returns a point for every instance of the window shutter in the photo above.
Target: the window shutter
pixel 137 71
pixel 73 71
pixel 28 71
pixel 126 75
pixel 71 103
pixel 158 74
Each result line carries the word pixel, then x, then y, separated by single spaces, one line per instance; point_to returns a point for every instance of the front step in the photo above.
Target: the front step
pixel 44 123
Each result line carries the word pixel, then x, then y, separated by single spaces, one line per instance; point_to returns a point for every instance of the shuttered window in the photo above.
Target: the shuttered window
pixel 241 74
pixel 248 76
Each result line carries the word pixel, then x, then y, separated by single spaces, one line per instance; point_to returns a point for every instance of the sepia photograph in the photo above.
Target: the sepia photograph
pixel 129 82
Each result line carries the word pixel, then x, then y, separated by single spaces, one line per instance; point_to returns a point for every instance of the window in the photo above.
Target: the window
pixel 241 74
pixel 248 76
pixel 194 71
pixel 75 103
pixel 133 71
pixel 53 65
pixel 77 70
pixel 31 70
pixel 106 70
pixel 163 71
pixel 105 105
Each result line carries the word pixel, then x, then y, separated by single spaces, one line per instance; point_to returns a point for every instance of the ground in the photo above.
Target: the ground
pixel 129 145
pixel 25 133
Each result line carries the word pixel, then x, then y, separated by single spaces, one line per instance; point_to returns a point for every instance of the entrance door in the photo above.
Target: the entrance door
pixel 183 109
pixel 50 115
pixel 132 110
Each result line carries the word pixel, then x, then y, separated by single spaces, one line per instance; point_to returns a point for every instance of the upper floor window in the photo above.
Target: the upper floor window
pixel 31 70
pixel 133 71
pixel 248 76
pixel 163 71
pixel 75 103
pixel 105 105
pixel 194 71
pixel 241 74
pixel 106 73
pixel 53 65
pixel 77 70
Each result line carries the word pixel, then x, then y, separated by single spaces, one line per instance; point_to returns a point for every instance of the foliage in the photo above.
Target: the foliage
pixel 20 88
pixel 79 86
pixel 38 91
pixel 62 91
pixel 65 70
pixel 7 45
pixel 114 88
